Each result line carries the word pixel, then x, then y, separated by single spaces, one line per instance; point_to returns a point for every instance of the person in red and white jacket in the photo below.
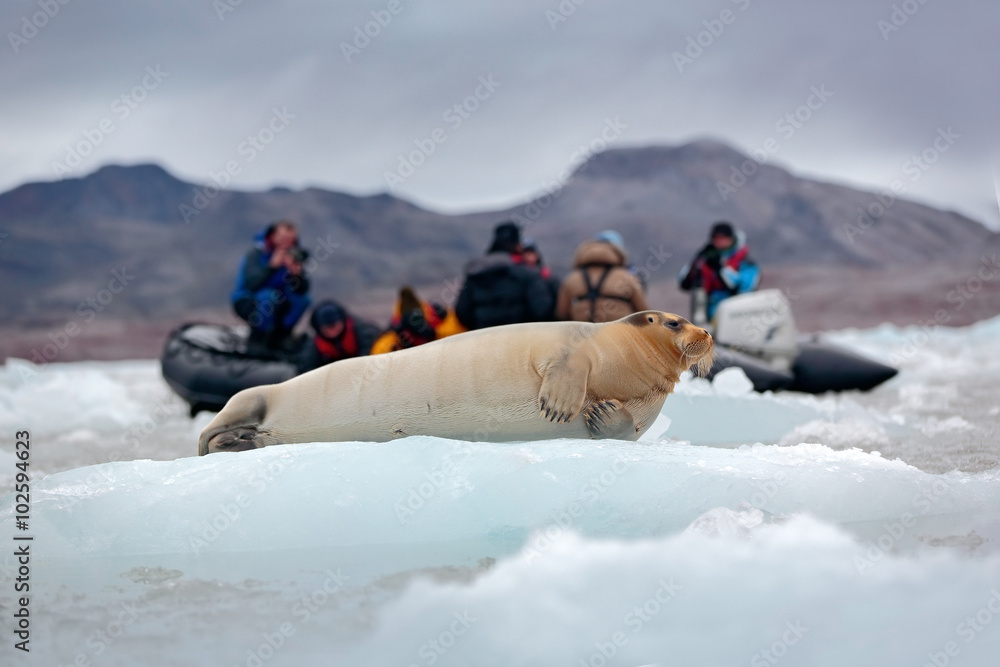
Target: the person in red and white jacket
pixel 723 268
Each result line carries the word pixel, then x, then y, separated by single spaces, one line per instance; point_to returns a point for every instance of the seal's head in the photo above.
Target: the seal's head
pixel 238 426
pixel 686 344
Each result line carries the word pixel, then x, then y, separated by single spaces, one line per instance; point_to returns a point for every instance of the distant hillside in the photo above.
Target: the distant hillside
pixel 65 238
pixel 670 196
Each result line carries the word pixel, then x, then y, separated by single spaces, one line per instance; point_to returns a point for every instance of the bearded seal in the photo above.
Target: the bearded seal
pixel 509 383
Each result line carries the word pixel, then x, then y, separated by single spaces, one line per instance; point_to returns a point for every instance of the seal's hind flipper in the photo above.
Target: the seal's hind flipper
pixel 610 419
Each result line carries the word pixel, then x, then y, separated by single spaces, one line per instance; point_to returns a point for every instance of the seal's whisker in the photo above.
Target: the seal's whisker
pixel 703 365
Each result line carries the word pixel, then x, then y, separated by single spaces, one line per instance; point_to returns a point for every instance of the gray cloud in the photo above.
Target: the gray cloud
pixel 352 120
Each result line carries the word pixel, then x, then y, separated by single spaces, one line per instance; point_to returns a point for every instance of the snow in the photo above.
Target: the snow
pixel 743 529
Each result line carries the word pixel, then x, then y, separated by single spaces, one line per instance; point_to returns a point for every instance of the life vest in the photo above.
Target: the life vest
pixel 449 324
pixel 430 314
pixel 392 340
pixel 442 319
pixel 341 348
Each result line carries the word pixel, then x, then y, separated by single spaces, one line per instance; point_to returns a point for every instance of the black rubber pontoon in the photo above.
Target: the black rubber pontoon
pixel 763 376
pixel 822 367
pixel 819 367
pixel 206 364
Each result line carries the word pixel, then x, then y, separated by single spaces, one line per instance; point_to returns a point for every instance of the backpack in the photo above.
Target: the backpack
pixel 593 292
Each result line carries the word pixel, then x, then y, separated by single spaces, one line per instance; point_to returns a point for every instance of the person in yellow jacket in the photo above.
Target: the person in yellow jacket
pixel 415 322
pixel 600 288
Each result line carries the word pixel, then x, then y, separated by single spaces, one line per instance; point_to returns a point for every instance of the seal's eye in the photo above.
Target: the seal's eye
pixel 674 324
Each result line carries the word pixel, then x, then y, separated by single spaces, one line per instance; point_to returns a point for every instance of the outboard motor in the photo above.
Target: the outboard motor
pixel 759 324
pixel 757 332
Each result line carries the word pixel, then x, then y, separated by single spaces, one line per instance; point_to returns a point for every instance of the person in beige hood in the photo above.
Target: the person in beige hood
pixel 600 288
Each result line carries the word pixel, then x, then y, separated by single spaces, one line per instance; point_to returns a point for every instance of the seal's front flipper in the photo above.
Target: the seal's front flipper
pixel 563 391
pixel 610 419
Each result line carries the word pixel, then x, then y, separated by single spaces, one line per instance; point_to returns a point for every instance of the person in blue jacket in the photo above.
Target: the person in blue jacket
pixel 723 268
pixel 272 289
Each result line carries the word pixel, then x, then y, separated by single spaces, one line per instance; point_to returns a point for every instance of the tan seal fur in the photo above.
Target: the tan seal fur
pixel 510 383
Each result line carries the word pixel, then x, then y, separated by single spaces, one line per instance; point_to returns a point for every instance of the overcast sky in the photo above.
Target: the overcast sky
pixel 199 78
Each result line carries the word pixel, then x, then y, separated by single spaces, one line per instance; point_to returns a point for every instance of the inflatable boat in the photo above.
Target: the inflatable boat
pixel 756 332
pixel 206 364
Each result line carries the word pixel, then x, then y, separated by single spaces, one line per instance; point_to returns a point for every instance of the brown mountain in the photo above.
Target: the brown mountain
pixel 670 195
pixel 177 244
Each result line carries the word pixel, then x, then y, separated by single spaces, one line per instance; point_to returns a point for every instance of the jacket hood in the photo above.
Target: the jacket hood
pixel 490 262
pixel 599 252
pixel 741 242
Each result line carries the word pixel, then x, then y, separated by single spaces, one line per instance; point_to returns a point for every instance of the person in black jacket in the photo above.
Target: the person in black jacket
pixel 500 289
pixel 339 335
